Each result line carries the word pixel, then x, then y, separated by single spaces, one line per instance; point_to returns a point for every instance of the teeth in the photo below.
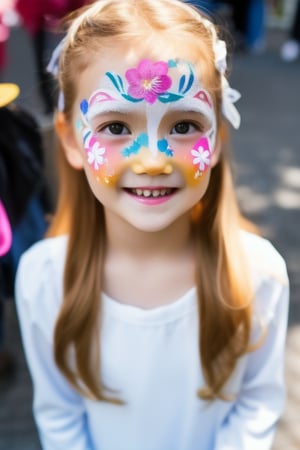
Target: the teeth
pixel 149 193
pixel 155 193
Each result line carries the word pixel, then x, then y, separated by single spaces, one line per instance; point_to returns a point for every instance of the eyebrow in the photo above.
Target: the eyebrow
pixel 112 107
pixel 192 105
pixel 187 105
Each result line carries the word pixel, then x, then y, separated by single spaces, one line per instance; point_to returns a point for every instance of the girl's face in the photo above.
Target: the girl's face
pixel 146 130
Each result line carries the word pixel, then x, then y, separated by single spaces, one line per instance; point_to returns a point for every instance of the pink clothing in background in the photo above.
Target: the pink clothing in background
pixel 5 231
pixel 37 14
pixel 5 5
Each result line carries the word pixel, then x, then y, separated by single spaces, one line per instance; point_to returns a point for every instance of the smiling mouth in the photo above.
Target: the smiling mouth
pixel 151 193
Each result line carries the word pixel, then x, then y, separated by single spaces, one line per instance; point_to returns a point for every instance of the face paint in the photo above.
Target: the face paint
pixel 152 90
pixel 134 148
pixel 201 154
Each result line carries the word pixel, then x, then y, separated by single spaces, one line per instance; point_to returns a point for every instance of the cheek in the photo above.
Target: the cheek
pixel 193 160
pixel 104 159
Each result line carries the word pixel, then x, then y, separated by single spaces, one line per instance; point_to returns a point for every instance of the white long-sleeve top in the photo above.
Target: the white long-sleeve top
pixel 151 358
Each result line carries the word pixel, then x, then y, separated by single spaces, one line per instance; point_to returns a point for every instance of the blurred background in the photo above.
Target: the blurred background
pixel 265 68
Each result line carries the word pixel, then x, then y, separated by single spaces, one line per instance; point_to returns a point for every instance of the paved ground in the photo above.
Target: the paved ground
pixel 267 155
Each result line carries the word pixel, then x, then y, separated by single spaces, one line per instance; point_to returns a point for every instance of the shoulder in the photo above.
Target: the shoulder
pixel 40 276
pixel 269 275
pixel 44 256
pixel 263 258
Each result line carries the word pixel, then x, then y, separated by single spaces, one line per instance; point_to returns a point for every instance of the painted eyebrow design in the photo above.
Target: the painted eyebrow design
pixel 192 105
pixel 112 107
pixel 195 115
pixel 125 111
pixel 192 111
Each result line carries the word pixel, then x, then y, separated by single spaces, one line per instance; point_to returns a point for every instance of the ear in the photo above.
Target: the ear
pixel 222 137
pixel 66 135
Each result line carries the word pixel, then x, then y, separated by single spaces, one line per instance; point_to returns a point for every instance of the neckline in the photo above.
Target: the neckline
pixel 159 315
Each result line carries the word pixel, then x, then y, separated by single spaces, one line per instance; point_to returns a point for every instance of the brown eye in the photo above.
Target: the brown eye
pixel 117 128
pixel 182 128
pixel 185 127
pixel 113 129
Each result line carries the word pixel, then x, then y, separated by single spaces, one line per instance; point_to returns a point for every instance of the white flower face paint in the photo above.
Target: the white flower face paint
pixel 95 153
pixel 157 107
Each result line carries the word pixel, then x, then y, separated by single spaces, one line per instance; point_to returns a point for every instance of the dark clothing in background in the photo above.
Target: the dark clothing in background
pixel 240 14
pixel 295 30
pixel 23 189
pixel 21 161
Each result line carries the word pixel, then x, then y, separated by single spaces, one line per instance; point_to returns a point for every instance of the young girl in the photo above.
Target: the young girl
pixel 150 320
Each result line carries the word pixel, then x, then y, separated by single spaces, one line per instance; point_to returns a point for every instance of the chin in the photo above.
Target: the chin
pixel 153 225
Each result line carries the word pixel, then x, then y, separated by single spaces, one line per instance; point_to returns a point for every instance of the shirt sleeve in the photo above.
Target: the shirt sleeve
pixel 251 422
pixel 58 409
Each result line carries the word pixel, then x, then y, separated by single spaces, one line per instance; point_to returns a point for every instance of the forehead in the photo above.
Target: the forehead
pixel 117 59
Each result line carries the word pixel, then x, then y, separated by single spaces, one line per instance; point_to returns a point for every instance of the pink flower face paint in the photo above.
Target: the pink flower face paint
pixel 148 81
pixel 159 107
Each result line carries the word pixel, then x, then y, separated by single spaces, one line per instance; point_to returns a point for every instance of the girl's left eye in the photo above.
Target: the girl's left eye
pixel 115 128
pixel 184 128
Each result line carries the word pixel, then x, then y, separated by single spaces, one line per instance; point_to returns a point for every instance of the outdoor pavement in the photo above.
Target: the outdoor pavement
pixel 266 151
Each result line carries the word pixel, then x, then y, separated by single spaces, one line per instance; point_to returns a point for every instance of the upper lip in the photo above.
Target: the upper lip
pixel 151 183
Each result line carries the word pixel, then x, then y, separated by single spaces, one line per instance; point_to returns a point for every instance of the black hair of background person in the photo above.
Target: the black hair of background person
pixel 22 185
pixel 295 29
pixel 21 161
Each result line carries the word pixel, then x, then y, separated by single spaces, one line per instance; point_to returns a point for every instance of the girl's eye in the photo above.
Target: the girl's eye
pixel 184 128
pixel 116 128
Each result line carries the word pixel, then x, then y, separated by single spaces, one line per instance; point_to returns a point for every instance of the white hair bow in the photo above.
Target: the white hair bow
pixel 52 68
pixel 229 95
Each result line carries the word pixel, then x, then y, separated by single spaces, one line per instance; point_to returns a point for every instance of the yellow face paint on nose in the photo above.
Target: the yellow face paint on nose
pixel 151 164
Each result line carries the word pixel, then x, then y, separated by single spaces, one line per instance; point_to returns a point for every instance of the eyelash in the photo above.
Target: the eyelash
pixel 106 129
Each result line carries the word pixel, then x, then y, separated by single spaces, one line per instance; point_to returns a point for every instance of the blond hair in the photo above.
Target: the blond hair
pixel 223 286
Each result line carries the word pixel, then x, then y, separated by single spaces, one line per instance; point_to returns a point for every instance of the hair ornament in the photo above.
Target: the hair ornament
pixel 229 95
pixel 53 64
pixel 52 68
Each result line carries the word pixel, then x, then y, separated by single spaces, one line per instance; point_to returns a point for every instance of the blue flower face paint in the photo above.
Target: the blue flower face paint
pixel 158 107
pixel 133 149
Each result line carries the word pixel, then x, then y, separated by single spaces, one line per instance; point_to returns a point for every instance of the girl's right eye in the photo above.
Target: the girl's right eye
pixel 115 128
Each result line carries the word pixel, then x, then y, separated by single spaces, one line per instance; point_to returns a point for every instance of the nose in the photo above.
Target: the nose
pixel 152 164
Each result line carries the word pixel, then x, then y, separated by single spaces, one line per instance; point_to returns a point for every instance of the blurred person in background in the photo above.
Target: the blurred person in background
pixel 290 50
pixel 25 201
pixel 8 92
pixel 245 18
pixel 8 18
pixel 40 19
pixel 249 24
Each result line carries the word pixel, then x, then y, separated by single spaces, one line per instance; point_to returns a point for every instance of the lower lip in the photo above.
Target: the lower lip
pixel 151 201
